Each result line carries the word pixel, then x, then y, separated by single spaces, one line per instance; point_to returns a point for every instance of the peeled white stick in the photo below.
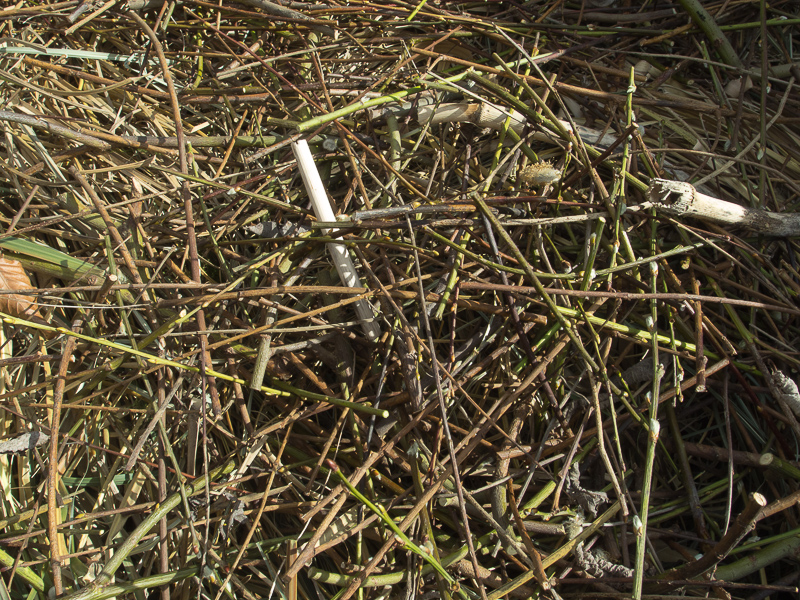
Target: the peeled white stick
pixel 681 199
pixel 339 254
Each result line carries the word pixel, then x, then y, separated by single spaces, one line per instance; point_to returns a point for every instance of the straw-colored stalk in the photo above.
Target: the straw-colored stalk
pixel 339 254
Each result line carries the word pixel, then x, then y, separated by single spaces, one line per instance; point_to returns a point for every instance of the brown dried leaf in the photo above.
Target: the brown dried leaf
pixel 13 277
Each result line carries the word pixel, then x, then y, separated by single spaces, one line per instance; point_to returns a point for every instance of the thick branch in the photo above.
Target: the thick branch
pixel 681 199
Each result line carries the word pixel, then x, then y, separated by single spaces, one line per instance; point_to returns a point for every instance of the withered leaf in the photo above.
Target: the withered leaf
pixel 12 278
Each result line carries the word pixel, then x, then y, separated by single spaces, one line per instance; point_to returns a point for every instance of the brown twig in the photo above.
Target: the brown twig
pixel 53 513
pixel 739 528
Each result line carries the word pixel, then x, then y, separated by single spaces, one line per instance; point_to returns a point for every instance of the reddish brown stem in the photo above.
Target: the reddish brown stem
pixel 53 516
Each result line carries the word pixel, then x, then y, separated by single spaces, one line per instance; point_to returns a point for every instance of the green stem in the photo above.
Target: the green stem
pixel 758 560
pixel 145 583
pixel 558 554
pixel 99 589
pixel 157 360
pixel 709 26
pixel 321 120
pixel 536 283
pixel 399 533
pixel 25 572
pixel 341 580
pixel 641 526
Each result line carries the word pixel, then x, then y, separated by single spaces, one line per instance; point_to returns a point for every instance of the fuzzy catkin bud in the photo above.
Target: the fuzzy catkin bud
pixel 541 173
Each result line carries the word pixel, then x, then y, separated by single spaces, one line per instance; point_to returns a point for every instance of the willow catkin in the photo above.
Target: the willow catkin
pixel 541 173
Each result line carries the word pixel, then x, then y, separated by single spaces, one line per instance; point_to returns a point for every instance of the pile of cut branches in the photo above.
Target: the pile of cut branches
pixel 509 359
